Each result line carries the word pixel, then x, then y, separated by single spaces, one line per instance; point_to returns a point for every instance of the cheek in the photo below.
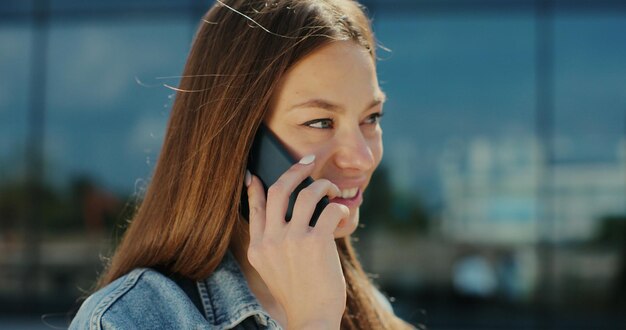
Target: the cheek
pixel 321 150
pixel 376 147
pixel 323 159
pixel 298 145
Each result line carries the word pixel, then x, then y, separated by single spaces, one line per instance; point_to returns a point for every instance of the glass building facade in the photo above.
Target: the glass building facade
pixel 500 201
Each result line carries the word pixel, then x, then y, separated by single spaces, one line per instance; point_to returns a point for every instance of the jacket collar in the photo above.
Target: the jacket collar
pixel 227 299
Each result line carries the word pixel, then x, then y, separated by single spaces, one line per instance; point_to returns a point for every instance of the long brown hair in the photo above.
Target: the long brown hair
pixel 190 212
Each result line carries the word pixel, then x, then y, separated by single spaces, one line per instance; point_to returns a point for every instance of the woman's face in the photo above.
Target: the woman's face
pixel 329 104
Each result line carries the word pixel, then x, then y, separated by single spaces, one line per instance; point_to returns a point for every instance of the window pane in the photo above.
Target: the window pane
pixel 590 95
pixel 15 85
pixel 11 8
pixel 588 204
pixel 460 152
pixel 77 5
pixel 461 94
pixel 15 66
pixel 107 106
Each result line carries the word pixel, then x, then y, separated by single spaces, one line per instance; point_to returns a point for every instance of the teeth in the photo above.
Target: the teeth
pixel 349 193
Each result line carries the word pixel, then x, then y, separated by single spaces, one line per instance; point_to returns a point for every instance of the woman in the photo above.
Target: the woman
pixel 306 69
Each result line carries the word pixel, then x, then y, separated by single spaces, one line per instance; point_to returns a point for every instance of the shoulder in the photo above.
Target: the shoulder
pixel 143 298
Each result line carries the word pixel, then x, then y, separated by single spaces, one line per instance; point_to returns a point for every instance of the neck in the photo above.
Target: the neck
pixel 239 248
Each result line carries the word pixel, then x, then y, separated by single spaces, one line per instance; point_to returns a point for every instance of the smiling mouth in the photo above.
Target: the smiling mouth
pixel 349 193
pixel 349 197
pixel 353 198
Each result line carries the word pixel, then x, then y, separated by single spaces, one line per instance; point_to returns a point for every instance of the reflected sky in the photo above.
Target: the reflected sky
pixel 108 92
pixel 454 79
pixel 14 92
pixel 590 93
pixel 451 80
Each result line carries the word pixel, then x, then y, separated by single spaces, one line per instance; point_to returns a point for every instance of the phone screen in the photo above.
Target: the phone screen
pixel 268 160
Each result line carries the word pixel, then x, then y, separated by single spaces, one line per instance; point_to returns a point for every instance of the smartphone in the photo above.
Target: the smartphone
pixel 268 160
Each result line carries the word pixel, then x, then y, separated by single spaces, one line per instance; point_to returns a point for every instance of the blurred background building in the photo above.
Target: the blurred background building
pixel 500 202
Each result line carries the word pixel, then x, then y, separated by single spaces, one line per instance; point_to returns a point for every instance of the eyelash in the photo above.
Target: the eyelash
pixel 374 118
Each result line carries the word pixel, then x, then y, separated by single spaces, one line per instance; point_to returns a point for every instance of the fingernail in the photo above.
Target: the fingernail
pixel 306 160
pixel 248 178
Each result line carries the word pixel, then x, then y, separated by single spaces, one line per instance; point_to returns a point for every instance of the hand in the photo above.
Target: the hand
pixel 299 264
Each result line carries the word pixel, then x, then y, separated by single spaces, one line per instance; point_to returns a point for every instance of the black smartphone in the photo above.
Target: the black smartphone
pixel 268 160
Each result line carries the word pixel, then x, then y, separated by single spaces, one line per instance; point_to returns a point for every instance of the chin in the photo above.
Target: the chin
pixel 349 226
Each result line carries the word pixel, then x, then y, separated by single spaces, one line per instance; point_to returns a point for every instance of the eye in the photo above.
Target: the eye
pixel 374 118
pixel 322 123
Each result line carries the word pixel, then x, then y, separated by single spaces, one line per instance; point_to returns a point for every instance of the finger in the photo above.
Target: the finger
pixel 278 194
pixel 256 201
pixel 307 201
pixel 329 219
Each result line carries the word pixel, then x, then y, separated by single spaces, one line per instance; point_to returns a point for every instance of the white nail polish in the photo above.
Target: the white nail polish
pixel 306 160
pixel 248 178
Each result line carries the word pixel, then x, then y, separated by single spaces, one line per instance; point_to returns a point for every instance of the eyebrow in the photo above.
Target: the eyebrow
pixel 329 106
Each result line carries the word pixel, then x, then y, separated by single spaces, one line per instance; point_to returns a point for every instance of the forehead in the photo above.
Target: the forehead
pixel 342 72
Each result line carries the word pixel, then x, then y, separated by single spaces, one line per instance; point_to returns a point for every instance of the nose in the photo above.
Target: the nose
pixel 353 152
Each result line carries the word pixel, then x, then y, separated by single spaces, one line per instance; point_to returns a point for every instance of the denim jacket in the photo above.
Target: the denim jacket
pixel 147 299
